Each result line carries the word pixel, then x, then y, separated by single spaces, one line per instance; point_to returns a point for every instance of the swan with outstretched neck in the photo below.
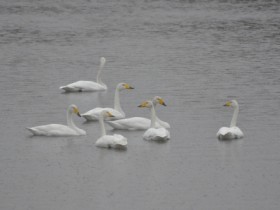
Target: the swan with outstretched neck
pixel 232 132
pixel 117 111
pixel 87 86
pixel 60 130
pixel 139 123
pixel 109 141
pixel 153 133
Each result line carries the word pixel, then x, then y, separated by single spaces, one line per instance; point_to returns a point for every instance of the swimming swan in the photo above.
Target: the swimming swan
pixel 80 86
pixel 139 123
pixel 153 133
pixel 109 141
pixel 58 129
pixel 232 132
pixel 118 113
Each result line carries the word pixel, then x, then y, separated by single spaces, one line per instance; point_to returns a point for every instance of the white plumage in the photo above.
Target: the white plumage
pixel 109 141
pixel 87 86
pixel 232 132
pixel 117 111
pixel 139 123
pixel 60 130
pixel 153 133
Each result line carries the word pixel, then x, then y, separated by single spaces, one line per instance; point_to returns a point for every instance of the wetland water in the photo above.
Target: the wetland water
pixel 194 54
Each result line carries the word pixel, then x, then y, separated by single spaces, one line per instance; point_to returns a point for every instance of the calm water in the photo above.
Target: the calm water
pixel 195 54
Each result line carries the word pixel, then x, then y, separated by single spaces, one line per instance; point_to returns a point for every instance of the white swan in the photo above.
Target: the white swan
pixel 153 133
pixel 118 113
pixel 109 141
pixel 232 132
pixel 139 123
pixel 80 86
pixel 58 129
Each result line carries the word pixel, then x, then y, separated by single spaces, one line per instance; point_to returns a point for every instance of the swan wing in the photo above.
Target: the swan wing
pixel 83 86
pixel 133 123
pixel 226 133
pixel 53 130
pixel 120 140
pixel 237 132
pixel 109 141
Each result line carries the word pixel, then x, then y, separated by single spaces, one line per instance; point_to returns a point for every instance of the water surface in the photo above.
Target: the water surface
pixel 195 54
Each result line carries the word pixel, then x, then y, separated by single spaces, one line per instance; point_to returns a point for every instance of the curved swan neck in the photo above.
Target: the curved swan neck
pixel 102 126
pixel 98 78
pixel 234 117
pixel 153 117
pixel 117 104
pixel 70 122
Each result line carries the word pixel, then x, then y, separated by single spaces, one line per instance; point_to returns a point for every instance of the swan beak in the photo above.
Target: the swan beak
pixel 76 111
pixel 110 115
pixel 127 86
pixel 144 104
pixel 228 103
pixel 161 102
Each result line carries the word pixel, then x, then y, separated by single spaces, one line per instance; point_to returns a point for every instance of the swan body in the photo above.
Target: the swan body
pixel 139 123
pixel 60 130
pixel 87 86
pixel 109 141
pixel 153 133
pixel 117 112
pixel 156 134
pixel 228 133
pixel 232 132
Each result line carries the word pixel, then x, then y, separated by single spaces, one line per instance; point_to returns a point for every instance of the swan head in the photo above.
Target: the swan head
pixel 146 104
pixel 74 109
pixel 232 103
pixel 102 61
pixel 158 100
pixel 124 86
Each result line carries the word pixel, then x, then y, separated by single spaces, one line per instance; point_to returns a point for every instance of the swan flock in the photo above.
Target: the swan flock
pixel 155 128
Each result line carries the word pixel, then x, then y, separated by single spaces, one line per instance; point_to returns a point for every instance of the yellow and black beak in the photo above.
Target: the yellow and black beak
pixel 127 86
pixel 144 104
pixel 228 103
pixel 76 111
pixel 161 102
pixel 110 114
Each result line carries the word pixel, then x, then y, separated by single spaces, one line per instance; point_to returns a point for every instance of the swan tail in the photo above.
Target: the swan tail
pixel 70 89
pixel 114 125
pixel 33 131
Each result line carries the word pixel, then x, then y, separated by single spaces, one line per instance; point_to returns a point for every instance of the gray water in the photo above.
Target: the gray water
pixel 194 54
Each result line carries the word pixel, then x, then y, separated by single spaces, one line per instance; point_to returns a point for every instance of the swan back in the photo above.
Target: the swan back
pixel 156 134
pixel 115 141
pixel 228 133
pixel 55 130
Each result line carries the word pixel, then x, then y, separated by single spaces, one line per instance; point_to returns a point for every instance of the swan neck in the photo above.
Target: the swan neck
pixel 102 126
pixel 70 122
pixel 98 77
pixel 234 117
pixel 153 117
pixel 117 104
